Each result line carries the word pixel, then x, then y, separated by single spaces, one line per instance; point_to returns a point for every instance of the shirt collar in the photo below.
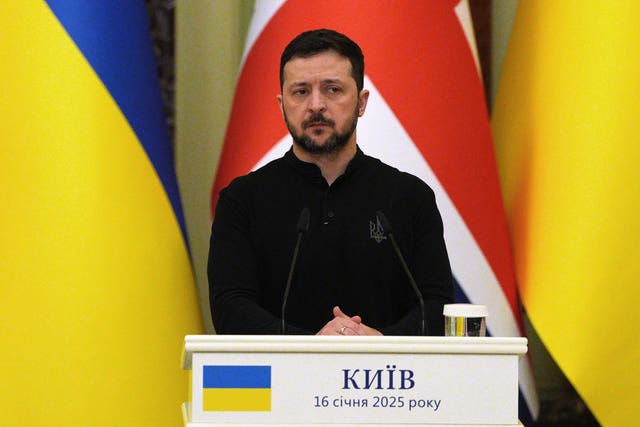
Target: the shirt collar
pixel 311 170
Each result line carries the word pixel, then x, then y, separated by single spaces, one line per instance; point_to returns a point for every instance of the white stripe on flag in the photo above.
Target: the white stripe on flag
pixel 262 14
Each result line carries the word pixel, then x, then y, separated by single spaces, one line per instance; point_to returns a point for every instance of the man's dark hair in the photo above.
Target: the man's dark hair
pixel 313 42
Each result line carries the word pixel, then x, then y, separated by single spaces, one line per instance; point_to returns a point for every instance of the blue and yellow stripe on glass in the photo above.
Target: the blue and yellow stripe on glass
pixel 236 388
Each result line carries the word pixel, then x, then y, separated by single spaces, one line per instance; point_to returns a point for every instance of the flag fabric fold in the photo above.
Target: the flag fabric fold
pixel 566 127
pixel 96 281
pixel 426 115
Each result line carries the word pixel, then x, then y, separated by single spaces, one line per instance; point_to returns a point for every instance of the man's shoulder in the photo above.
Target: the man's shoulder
pixel 262 176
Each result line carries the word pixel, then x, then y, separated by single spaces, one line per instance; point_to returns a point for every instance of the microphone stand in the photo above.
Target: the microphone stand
pixel 386 225
pixel 302 227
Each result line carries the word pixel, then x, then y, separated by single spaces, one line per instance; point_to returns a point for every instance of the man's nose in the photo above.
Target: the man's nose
pixel 317 102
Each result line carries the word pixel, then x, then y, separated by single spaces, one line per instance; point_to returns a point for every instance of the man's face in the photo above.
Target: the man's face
pixel 320 102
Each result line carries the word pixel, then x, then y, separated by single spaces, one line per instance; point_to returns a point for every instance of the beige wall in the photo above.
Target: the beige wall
pixel 502 14
pixel 210 36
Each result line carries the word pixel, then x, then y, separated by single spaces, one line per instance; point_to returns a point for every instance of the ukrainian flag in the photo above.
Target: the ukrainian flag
pixel 566 125
pixel 96 286
pixel 236 388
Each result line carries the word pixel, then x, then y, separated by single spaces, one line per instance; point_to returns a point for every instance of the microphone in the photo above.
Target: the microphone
pixel 301 228
pixel 387 229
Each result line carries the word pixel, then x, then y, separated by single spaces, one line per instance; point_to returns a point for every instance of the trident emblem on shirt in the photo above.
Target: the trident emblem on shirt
pixel 376 232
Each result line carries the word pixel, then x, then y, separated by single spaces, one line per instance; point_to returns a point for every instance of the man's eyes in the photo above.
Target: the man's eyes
pixel 330 90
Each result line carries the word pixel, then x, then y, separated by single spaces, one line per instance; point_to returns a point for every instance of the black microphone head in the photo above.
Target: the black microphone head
pixel 303 221
pixel 384 222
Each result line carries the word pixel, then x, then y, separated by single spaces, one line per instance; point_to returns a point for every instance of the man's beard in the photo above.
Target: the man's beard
pixel 334 142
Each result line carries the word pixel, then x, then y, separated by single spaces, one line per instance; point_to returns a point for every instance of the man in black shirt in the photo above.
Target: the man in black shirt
pixel 346 262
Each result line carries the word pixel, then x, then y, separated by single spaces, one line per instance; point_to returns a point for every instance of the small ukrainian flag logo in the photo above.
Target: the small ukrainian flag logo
pixel 236 388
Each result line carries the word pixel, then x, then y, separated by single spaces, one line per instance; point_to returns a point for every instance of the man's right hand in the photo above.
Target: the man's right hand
pixel 342 324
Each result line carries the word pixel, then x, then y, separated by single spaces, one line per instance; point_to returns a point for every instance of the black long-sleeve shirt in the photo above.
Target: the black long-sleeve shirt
pixel 345 258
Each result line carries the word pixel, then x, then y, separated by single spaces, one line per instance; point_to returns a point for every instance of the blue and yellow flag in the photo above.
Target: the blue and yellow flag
pixel 567 125
pixel 236 388
pixel 96 285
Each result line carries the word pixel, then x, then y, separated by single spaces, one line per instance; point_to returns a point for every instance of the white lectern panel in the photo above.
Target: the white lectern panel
pixel 353 380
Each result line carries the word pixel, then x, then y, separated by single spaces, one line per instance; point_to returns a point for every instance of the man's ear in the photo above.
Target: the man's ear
pixel 279 99
pixel 363 98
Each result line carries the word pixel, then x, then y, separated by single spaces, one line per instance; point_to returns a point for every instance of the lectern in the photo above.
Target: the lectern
pixel 346 381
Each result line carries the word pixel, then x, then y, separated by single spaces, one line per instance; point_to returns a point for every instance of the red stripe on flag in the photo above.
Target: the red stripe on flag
pixel 417 56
